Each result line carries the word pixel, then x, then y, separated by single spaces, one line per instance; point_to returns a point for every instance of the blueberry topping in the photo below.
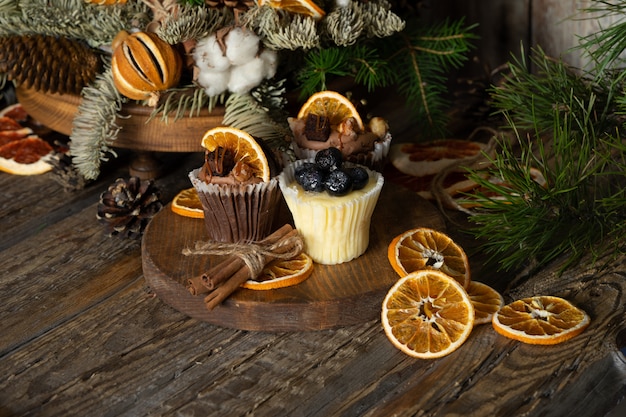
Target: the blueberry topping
pixel 338 182
pixel 310 177
pixel 359 177
pixel 329 159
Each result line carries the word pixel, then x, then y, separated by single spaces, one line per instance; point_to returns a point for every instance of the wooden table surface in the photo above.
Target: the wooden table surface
pixel 82 334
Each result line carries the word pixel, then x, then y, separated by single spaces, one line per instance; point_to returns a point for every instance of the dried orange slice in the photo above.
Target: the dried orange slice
pixel 425 248
pixel 486 301
pixel 540 320
pixel 282 273
pixel 332 105
pixel 305 7
pixel 245 148
pixel 427 314
pixel 187 203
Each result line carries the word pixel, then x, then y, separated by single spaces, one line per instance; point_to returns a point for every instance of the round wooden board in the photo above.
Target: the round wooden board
pixel 334 295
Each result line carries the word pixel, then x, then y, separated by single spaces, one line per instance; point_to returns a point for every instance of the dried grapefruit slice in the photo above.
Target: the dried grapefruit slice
pixel 282 273
pixel 424 248
pixel 305 7
pixel 25 156
pixel 427 314
pixel 16 112
pixel 486 301
pixel 187 203
pixel 245 148
pixel 332 105
pixel 7 123
pixel 540 320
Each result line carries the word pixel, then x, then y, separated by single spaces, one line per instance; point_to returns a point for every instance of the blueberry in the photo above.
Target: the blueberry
pixel 310 177
pixel 359 177
pixel 338 183
pixel 329 159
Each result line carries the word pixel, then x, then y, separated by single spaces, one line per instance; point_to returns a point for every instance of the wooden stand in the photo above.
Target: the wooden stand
pixel 138 131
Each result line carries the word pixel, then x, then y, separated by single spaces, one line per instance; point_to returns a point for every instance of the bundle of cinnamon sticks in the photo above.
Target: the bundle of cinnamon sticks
pixel 226 277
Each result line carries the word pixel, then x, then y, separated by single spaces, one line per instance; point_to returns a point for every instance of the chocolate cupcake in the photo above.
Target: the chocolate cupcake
pixel 238 196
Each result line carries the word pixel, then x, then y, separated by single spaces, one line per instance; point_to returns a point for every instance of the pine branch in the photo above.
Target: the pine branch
pixel 74 19
pixel 424 56
pixel 581 204
pixel 95 124
pixel 530 97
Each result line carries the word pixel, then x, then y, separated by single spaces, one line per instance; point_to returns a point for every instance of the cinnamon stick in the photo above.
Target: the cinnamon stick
pixel 220 273
pixel 220 293
pixel 209 280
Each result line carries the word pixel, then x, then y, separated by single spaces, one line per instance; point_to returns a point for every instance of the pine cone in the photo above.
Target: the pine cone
pixel 49 64
pixel 65 173
pixel 127 207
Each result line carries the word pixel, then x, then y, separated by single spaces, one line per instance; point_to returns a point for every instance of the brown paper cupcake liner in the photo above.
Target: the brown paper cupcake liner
pixel 237 213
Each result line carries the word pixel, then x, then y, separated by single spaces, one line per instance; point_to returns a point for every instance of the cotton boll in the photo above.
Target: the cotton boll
pixel 244 77
pixel 213 82
pixel 270 63
pixel 208 54
pixel 241 46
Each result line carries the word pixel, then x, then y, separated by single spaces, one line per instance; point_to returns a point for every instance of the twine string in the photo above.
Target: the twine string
pixel 253 254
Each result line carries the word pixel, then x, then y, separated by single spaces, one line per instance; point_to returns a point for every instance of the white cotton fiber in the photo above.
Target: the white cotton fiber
pixel 214 82
pixel 208 53
pixel 270 63
pixel 242 46
pixel 244 77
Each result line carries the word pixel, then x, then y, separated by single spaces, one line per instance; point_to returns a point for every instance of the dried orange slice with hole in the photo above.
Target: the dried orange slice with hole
pixel 332 105
pixel 305 7
pixel 187 203
pixel 540 320
pixel 486 301
pixel 424 248
pixel 427 314
pixel 245 148
pixel 281 273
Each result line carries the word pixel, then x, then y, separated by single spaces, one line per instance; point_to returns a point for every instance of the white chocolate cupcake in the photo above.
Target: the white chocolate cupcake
pixel 335 229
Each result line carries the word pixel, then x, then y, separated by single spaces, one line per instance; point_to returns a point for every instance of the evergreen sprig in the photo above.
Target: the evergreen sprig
pixel 418 65
pixel 74 19
pixel 581 204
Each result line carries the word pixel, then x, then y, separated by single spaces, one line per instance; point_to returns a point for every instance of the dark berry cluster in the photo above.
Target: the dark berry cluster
pixel 328 173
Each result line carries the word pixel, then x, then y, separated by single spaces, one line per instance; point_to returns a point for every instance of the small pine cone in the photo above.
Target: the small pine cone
pixel 233 4
pixel 49 64
pixel 128 205
pixel 65 173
